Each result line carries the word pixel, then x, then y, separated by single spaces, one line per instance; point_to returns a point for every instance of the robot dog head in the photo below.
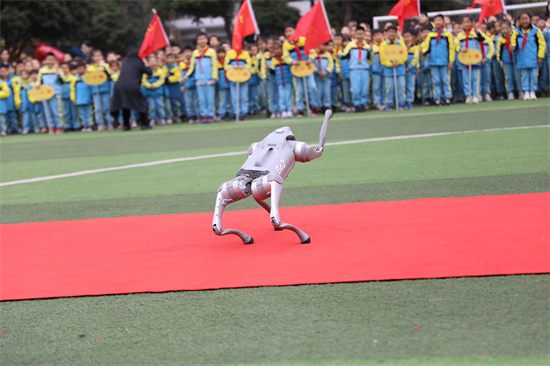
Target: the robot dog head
pixel 285 131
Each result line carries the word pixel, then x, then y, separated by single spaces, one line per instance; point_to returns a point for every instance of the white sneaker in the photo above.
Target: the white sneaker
pixel 133 124
pixel 162 122
pixel 533 96
pixel 475 100
pixel 526 96
pixel 488 98
pixel 169 121
pixel 100 128
pixel 289 114
pixel 469 100
pixel 511 96
pixel 273 115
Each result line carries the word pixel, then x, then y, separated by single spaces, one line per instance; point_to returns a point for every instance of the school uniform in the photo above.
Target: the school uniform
pixel 81 96
pixel 272 85
pixel 378 80
pixel 505 56
pixel 253 84
pixel 204 67
pixel 323 63
pixel 4 95
pixel 400 71
pixel 262 90
pixel 334 76
pixel 241 60
pixel 439 46
pixel 295 52
pixel 425 79
pixel 456 79
pixel 343 75
pixel 14 84
pixel 283 78
pixel 9 115
pixel 172 91
pixel 153 91
pixel 544 68
pixel 478 41
pixel 222 90
pixel 190 97
pixel 69 117
pixel 413 63
pixel 496 71
pixel 102 97
pixel 530 45
pixel 27 108
pixel 50 112
pixel 359 66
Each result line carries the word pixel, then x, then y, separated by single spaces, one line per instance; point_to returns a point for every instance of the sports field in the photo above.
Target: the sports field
pixel 499 149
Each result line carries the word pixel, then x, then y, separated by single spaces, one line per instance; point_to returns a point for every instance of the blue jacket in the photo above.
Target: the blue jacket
pixel 356 62
pixel 173 81
pixel 442 52
pixel 203 66
pixel 477 41
pixel 289 50
pixel 80 91
pixel 283 76
pixel 388 70
pixel 535 46
pixel 4 95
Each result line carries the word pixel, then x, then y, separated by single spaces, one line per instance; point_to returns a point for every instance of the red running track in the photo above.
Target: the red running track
pixel 424 238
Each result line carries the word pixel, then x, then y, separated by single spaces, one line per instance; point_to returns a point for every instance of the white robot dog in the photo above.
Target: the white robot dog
pixel 262 175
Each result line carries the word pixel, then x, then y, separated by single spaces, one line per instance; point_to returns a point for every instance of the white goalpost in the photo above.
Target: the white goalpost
pixel 377 20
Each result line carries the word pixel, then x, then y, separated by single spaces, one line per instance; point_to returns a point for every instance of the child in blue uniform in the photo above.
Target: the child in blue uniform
pixel 4 95
pixel 283 77
pixel 81 96
pixel 531 46
pixel 505 57
pixel 222 87
pixel 69 110
pixel 273 89
pixel 204 67
pixel 102 93
pixel 153 91
pixel 172 89
pixel 390 66
pixel 359 66
pixel 411 67
pixel 188 87
pixel 378 81
pixel 439 46
pixel 241 60
pixel 324 64
pixel 27 108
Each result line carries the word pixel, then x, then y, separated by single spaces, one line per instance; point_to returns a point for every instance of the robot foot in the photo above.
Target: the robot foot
pixel 307 241
pixel 250 241
pixel 247 239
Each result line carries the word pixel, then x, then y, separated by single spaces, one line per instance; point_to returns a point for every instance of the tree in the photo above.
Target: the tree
pixel 198 9
pixel 110 24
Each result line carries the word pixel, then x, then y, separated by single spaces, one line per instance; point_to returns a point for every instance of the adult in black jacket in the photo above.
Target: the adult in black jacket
pixel 127 94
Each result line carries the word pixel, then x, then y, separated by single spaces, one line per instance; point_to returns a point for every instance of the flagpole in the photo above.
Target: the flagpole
pixel 99 105
pixel 307 96
pixel 395 87
pixel 470 82
pixel 237 104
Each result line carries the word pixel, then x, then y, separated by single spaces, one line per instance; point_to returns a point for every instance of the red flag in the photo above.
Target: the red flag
pixel 43 49
pixel 314 26
pixel 489 8
pixel 155 37
pixel 405 9
pixel 245 25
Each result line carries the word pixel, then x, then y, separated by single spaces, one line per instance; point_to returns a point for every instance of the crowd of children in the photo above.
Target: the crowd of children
pixel 352 73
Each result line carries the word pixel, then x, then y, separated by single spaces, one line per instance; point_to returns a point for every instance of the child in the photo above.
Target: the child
pixel 456 72
pixel 359 66
pixel 426 90
pixel 9 103
pixel 324 64
pixel 283 77
pixel 172 88
pixel 153 91
pixel 439 45
pixel 530 45
pixel 262 93
pixel 334 75
pixel 378 82
pixel 544 72
pixel 497 74
pixel 272 81
pixel 294 52
pixel 470 39
pixel 4 95
pixel 81 96
pixel 392 68
pixel 243 61
pixel 222 86
pixel 188 86
pixel 204 67
pixel 411 67
pixel 68 108
pixel 506 59
pixel 26 107
pixel 254 80
pixel 102 93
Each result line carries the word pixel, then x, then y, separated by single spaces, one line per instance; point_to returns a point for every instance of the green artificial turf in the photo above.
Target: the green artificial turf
pixel 478 318
pixel 467 321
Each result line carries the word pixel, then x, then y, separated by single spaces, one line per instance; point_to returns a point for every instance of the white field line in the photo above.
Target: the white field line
pixel 191 158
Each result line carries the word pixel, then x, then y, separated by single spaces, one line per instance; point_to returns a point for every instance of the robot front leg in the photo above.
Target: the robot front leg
pixel 230 192
pixel 276 191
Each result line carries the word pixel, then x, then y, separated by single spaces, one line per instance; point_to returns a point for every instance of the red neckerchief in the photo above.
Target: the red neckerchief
pixel 318 59
pixel 202 54
pixel 281 69
pixel 360 50
pixel 507 44
pixel 237 58
pixel 221 62
pixel 439 31
pixel 525 38
pixel 298 51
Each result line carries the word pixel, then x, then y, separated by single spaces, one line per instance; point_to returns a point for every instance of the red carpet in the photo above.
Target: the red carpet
pixel 425 238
